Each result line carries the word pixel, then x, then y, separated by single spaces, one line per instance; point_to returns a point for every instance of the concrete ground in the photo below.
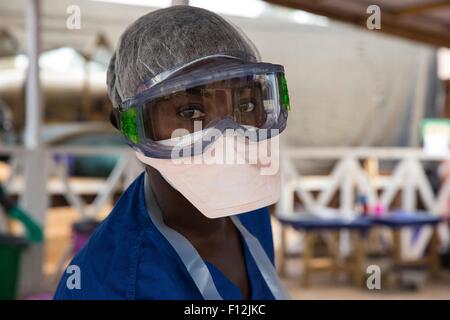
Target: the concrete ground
pixel 432 291
pixel 323 286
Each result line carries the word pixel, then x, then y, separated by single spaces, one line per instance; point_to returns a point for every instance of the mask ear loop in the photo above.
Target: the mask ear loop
pixel 264 265
pixel 194 264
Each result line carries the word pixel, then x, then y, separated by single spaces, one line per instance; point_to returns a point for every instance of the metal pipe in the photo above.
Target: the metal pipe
pixel 180 2
pixel 33 118
pixel 34 197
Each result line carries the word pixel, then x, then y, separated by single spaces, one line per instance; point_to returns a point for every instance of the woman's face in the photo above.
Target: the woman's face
pixel 237 99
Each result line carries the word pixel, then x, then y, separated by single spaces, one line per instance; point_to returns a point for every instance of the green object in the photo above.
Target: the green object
pixel 94 166
pixel 128 124
pixel 11 246
pixel 285 94
pixel 34 231
pixel 10 253
pixel 98 165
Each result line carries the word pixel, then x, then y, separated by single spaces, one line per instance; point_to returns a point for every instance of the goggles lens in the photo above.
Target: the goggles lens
pixel 248 101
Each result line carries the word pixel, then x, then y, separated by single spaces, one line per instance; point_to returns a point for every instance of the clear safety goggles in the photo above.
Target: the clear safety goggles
pixel 187 109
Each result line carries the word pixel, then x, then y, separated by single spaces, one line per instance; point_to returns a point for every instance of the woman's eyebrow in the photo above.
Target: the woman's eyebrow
pixel 195 91
pixel 200 92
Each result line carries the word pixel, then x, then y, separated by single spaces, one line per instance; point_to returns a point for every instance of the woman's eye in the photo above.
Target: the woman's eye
pixel 191 114
pixel 247 106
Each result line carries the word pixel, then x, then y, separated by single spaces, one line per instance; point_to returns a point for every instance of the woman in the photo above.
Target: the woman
pixel 188 92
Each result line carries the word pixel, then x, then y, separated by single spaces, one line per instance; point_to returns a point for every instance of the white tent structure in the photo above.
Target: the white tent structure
pixel 326 90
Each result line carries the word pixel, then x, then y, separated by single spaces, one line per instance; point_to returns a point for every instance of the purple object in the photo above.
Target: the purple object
pixel 81 233
pixel 40 296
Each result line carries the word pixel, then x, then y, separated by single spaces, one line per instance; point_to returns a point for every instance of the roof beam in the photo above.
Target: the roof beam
pixel 390 23
pixel 422 7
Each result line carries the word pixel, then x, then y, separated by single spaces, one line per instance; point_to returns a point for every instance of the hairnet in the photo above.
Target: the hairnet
pixel 169 38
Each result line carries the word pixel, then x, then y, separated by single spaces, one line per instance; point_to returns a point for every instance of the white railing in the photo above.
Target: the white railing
pixel 349 177
pixel 49 163
pixel 125 170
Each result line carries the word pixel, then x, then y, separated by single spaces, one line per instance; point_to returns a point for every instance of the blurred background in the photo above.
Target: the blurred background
pixel 365 205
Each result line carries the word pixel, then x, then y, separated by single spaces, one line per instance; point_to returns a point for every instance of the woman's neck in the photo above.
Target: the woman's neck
pixel 179 214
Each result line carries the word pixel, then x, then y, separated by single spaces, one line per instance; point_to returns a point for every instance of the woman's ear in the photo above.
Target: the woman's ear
pixel 113 120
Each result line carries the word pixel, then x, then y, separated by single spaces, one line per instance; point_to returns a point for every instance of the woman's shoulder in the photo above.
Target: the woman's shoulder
pixel 107 264
pixel 256 219
pixel 104 265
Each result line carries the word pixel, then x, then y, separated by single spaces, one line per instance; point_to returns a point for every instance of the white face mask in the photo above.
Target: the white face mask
pixel 233 176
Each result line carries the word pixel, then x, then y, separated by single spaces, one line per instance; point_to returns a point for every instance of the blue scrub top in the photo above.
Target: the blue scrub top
pixel 128 258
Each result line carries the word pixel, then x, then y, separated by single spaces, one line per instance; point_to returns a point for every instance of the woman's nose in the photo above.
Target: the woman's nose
pixel 223 104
